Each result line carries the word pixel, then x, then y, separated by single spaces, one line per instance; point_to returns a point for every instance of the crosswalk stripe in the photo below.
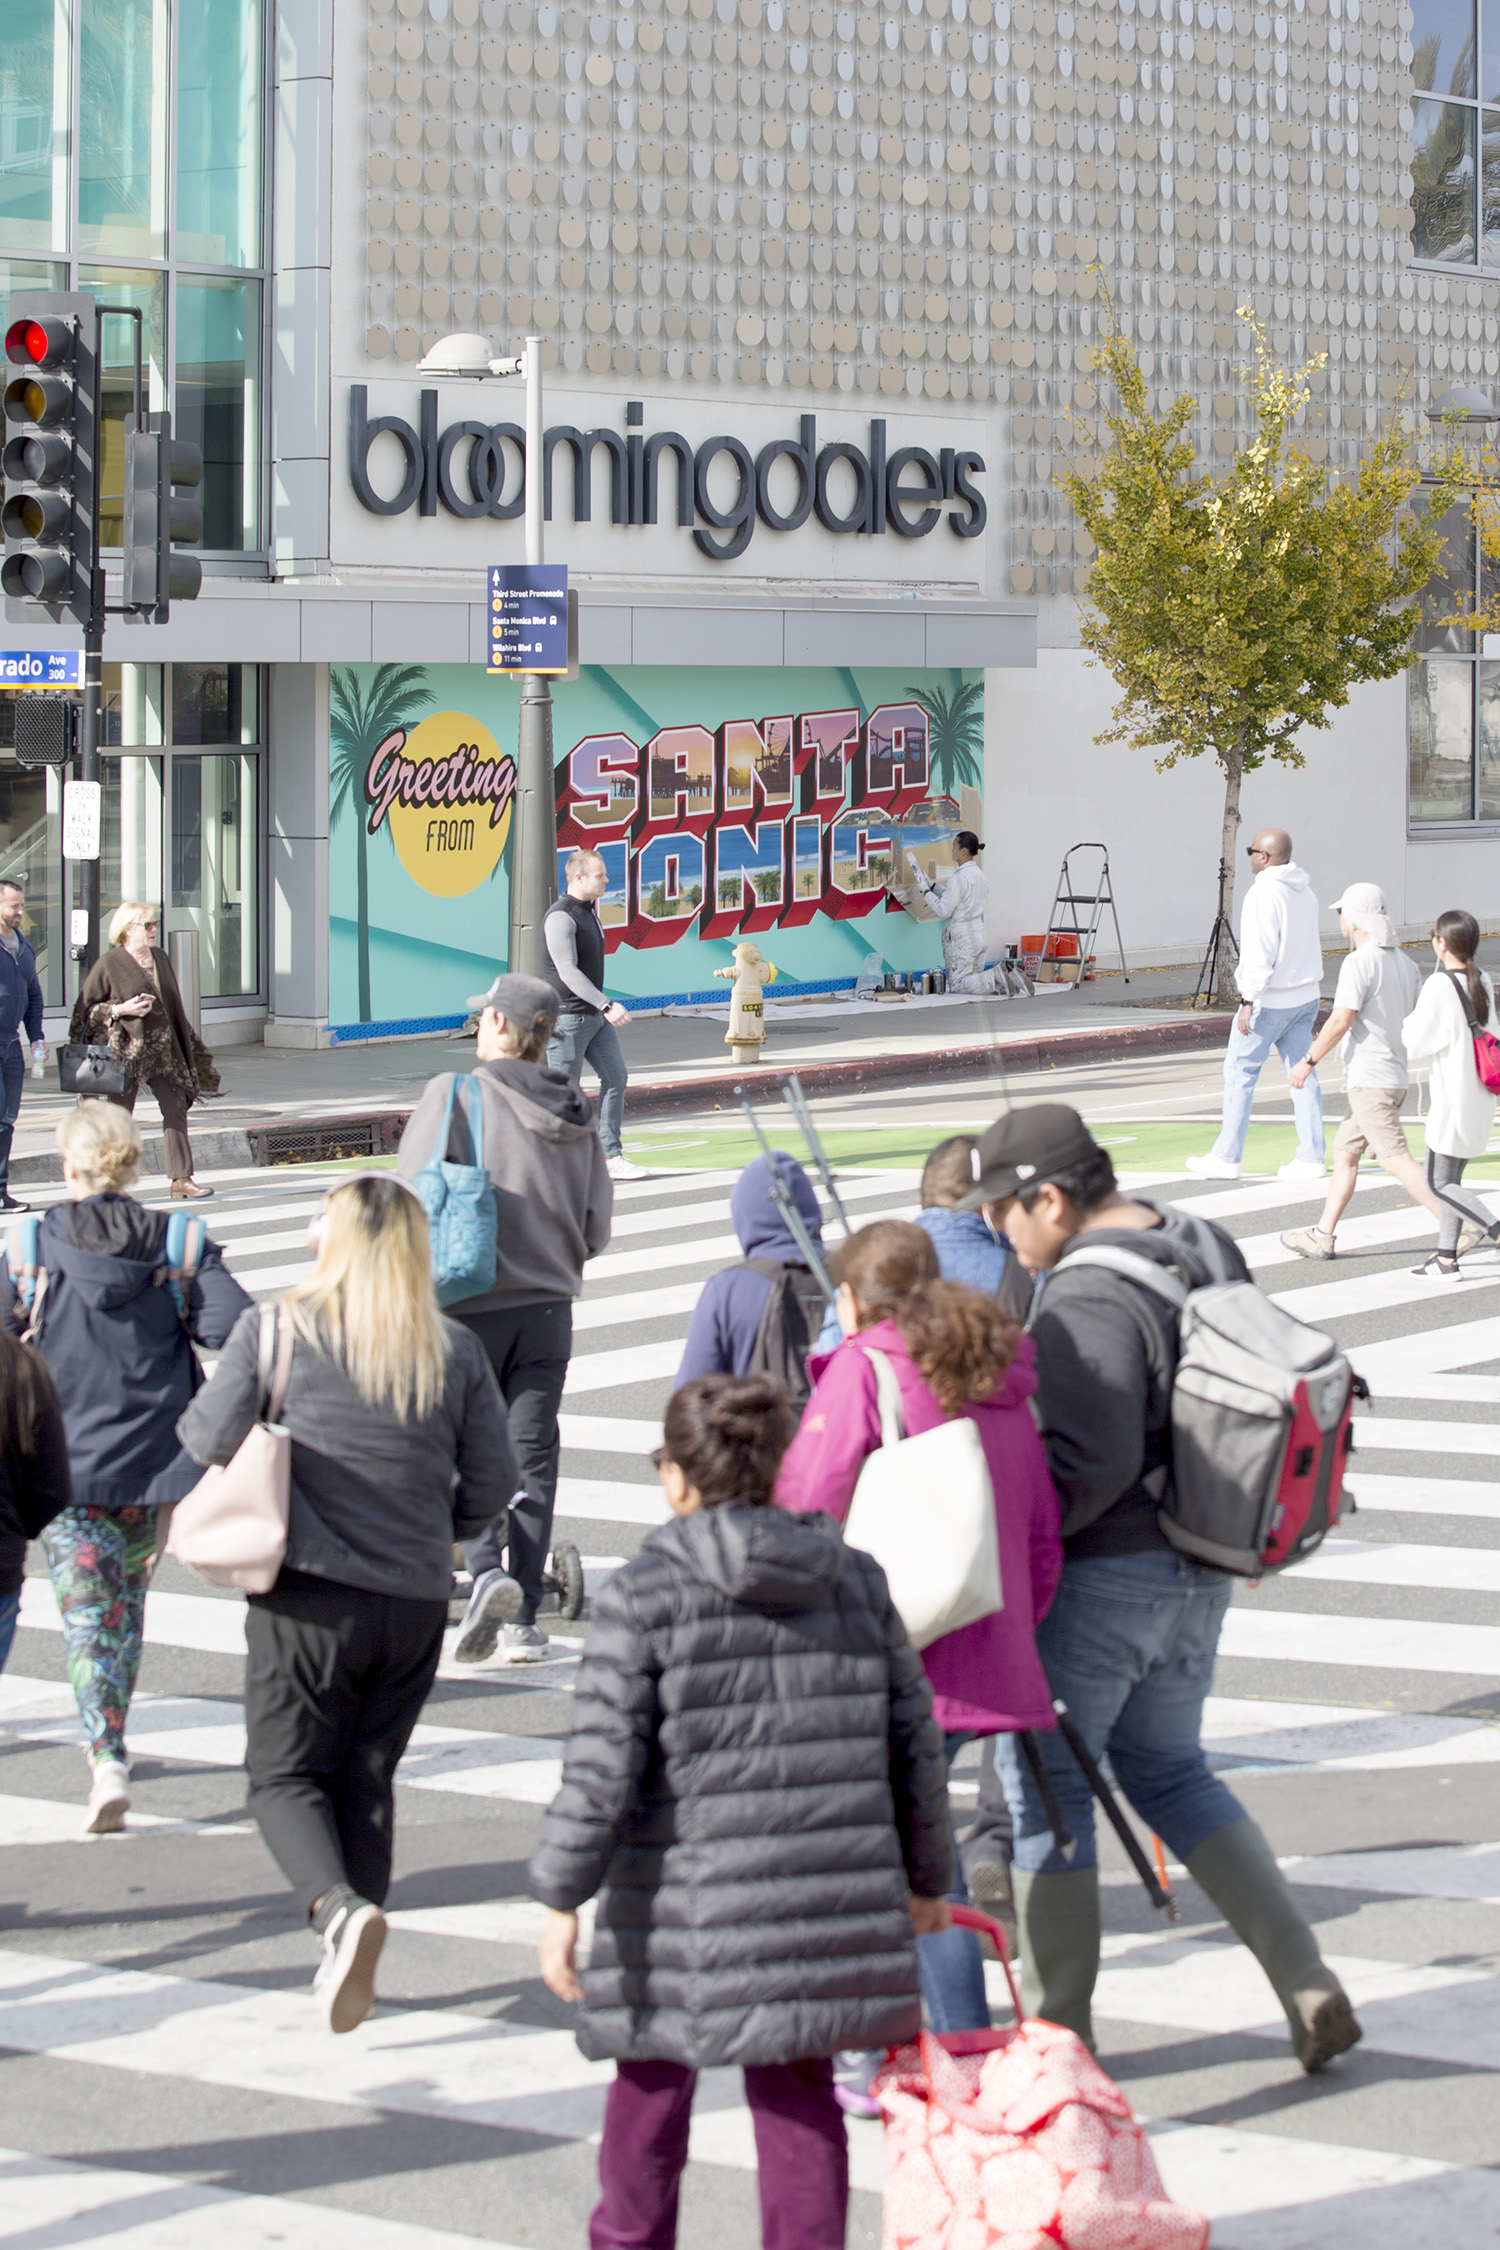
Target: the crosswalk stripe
pixel 1298 1636
pixel 633 1363
pixel 46 1820
pixel 1467 1871
pixel 1427 1496
pixel 1384 1230
pixel 595 1499
pixel 1343 1738
pixel 641 1305
pixel 683 1212
pixel 609 1433
pixel 45 2201
pixel 1361 1562
pixel 1379 1433
pixel 1319 1301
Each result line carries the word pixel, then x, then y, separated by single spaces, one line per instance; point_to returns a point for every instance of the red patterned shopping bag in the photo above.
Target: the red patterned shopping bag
pixel 1017 2140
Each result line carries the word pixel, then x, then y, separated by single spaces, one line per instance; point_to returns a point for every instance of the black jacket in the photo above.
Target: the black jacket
pixel 111 1337
pixel 376 1503
pixel 34 1487
pixel 20 993
pixel 755 1778
pixel 1106 1353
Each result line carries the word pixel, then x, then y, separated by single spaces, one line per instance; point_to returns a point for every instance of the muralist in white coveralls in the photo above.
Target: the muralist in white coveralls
pixel 962 903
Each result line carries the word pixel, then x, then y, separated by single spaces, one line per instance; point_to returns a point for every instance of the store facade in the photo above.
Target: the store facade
pixel 819 288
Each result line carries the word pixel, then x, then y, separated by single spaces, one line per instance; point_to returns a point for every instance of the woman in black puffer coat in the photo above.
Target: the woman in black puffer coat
pixel 755 1786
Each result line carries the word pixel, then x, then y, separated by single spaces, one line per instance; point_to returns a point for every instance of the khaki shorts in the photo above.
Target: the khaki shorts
pixel 1373 1123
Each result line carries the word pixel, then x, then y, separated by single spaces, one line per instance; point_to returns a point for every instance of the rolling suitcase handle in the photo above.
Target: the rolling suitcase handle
pixel 985 1925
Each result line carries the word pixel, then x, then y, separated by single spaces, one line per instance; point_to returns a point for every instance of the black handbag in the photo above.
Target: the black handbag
pixel 85 1068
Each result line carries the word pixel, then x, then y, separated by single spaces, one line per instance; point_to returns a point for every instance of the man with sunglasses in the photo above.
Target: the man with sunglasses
pixel 1280 977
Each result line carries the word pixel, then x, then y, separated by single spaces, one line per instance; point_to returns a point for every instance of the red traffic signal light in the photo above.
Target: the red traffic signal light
pixel 39 343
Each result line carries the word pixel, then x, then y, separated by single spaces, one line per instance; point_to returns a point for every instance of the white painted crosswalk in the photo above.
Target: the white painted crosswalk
pixel 1317 1672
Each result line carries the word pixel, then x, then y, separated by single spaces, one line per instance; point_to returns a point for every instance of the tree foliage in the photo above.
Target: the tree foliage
pixel 955 733
pixel 1234 608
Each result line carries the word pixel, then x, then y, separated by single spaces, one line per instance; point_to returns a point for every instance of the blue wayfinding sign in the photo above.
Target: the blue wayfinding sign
pixel 41 667
pixel 528 617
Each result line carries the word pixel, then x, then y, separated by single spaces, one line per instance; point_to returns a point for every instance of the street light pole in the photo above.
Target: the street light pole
pixel 533 861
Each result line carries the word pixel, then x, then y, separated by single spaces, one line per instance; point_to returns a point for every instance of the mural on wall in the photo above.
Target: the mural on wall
pixel 723 803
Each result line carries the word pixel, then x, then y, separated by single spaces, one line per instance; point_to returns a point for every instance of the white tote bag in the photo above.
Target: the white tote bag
pixel 924 1507
pixel 231 1528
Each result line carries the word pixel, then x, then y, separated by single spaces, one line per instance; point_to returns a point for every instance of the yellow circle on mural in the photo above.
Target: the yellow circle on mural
pixel 455 780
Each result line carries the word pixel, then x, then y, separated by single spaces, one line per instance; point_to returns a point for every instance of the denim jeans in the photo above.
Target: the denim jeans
pixel 12 1079
pixel 577 1036
pixel 1290 1032
pixel 1129 1646
pixel 951 1965
pixel 10 1610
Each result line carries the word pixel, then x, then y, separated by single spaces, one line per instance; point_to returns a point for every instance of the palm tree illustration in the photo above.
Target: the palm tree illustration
pixel 955 734
pixel 360 718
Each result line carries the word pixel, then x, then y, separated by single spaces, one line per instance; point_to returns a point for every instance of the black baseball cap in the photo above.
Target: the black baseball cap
pixel 1027 1145
pixel 527 1002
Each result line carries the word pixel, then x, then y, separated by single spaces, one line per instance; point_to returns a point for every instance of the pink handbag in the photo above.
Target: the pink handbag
pixel 1486 1045
pixel 1018 2140
pixel 230 1530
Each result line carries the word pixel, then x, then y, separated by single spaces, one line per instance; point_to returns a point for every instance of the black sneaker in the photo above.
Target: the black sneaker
pixel 345 1982
pixel 9 1203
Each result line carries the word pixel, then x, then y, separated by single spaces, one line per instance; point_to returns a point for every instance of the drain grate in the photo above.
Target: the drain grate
pixel 328 1140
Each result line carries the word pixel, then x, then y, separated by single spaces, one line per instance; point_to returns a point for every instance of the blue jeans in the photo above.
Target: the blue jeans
pixel 1129 1646
pixel 577 1036
pixel 10 1610
pixel 951 1965
pixel 12 1079
pixel 1290 1032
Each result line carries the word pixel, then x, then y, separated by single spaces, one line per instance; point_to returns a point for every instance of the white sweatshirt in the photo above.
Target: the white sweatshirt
pixel 1437 1033
pixel 1281 952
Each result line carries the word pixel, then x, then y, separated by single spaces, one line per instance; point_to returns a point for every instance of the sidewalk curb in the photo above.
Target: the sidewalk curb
pixel 995 1059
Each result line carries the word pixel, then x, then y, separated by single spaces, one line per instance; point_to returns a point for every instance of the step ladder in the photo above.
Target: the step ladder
pixel 1069 945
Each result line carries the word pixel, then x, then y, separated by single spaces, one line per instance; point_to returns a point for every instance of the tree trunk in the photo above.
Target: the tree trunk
pixel 362 912
pixel 1226 991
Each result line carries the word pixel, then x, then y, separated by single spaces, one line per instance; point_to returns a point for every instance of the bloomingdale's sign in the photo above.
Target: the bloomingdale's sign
pixel 470 467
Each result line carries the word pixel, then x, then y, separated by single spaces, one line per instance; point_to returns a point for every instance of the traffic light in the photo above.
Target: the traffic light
pixel 48 460
pixel 160 474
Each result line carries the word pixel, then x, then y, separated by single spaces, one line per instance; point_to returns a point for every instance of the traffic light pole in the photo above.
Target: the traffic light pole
pixel 534 858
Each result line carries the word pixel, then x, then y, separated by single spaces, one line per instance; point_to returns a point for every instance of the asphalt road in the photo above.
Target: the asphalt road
pixel 162 2067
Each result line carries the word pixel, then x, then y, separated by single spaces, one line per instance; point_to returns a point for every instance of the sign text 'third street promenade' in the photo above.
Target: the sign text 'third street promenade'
pixel 849 488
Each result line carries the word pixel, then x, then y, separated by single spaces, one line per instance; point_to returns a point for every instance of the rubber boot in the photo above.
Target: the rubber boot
pixel 1058 1919
pixel 1238 1870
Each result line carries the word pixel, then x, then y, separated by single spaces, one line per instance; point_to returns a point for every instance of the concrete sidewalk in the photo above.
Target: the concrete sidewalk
pixel 354 1098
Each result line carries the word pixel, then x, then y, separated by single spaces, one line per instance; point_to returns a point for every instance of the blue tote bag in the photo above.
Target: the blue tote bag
pixel 460 1204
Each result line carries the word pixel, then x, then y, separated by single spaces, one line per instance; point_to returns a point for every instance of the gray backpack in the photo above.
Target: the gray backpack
pixel 1261 1421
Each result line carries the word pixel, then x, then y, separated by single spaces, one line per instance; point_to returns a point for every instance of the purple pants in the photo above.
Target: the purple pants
pixel 799 2139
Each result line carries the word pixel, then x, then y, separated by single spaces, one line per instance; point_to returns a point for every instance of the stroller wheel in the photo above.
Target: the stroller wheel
pixel 565 1571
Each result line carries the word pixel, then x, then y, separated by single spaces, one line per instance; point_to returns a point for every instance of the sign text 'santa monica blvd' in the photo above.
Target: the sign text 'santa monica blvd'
pixel 719 489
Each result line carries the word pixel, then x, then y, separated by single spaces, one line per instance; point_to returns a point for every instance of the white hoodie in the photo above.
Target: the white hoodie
pixel 1281 952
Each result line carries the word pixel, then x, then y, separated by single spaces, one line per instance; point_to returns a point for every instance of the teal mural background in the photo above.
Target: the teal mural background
pixel 415 955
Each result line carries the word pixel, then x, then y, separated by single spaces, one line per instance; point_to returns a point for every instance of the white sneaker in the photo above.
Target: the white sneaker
pixel 621 1168
pixel 1300 1169
pixel 496 1599
pixel 1211 1168
pixel 345 1983
pixel 525 1644
pixel 109 1799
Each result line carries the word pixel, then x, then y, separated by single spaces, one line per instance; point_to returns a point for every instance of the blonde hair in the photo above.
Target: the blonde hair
pixel 103 1145
pixel 369 1302
pixel 125 917
pixel 577 861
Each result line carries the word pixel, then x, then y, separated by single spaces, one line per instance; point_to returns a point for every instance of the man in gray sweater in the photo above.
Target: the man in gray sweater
pixel 554 1203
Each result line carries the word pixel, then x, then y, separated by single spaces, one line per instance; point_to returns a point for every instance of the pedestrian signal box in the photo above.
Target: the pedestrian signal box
pixel 48 459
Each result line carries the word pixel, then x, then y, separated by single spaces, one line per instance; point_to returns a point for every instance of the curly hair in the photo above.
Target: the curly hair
pixel 727 1434
pixel 960 1340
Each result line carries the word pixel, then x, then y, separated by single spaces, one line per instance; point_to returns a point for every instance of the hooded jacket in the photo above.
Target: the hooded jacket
pixel 554 1198
pixel 754 1778
pixel 1106 1354
pixel 987 1678
pixel 721 1334
pixel 110 1334
pixel 1281 952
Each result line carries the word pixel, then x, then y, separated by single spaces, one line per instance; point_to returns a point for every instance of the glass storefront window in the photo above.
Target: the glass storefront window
pixel 115 285
pixel 122 128
pixel 132 705
pixel 219 126
pixel 214 830
pixel 1440 741
pixel 30 817
pixel 130 833
pixel 34 105
pixel 214 703
pixel 217 404
pixel 1442 183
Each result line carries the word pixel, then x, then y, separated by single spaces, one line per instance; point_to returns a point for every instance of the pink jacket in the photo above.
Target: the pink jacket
pixel 988 1678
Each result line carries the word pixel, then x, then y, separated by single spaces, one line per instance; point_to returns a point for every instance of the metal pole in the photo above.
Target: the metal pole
pixel 533 878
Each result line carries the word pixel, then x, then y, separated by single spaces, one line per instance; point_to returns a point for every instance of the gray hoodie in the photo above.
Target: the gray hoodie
pixel 553 1192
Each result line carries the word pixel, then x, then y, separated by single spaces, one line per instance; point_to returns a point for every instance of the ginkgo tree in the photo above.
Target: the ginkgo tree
pixel 1236 607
